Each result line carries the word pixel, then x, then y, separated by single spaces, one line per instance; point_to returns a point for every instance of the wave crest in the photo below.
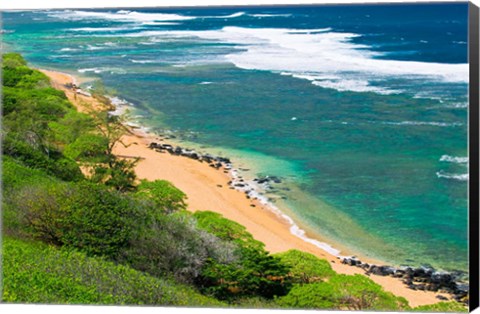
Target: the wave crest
pixel 454 159
pixel 458 177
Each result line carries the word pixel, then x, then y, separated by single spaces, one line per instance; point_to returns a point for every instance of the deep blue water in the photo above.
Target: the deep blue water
pixel 361 109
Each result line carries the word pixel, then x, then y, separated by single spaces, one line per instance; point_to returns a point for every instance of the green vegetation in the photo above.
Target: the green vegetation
pixel 305 267
pixel 106 238
pixel 163 195
pixel 38 273
pixel 343 292
pixel 254 273
pixel 442 307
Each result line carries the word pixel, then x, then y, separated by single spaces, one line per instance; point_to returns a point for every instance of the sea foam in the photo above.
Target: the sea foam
pixel 102 29
pixel 443 124
pixel 253 189
pixel 327 58
pixel 454 159
pixel 458 177
pixel 126 16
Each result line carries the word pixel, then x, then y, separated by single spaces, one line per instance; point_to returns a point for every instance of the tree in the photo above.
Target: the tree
pixel 254 273
pixel 114 171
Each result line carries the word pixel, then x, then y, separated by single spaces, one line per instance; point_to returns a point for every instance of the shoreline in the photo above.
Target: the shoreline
pixel 207 188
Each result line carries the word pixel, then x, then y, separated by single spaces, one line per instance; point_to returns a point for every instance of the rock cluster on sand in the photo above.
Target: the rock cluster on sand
pixel 214 161
pixel 237 182
pixel 421 278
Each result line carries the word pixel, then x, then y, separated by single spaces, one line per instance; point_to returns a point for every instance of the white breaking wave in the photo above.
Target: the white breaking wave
pixel 101 70
pixel 423 123
pixel 458 160
pixel 326 58
pixel 102 29
pixel 95 70
pixel 269 15
pixel 91 47
pixel 133 16
pixel 459 177
pixel 125 16
pixel 160 23
pixel 354 86
pixel 231 16
pixel 68 49
pixel 457 105
pixel 142 61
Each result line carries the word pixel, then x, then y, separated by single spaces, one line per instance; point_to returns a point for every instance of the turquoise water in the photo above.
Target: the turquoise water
pixel 361 110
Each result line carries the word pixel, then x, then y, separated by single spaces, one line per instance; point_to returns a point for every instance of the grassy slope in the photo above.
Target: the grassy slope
pixel 38 273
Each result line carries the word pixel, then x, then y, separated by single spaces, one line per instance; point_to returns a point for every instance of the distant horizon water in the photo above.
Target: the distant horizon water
pixel 360 110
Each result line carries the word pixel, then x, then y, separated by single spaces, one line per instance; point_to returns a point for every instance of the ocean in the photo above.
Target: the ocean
pixel 360 110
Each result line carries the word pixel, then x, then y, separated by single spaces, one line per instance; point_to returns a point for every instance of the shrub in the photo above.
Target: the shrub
pixel 306 267
pixel 164 195
pixel 226 229
pixel 84 216
pixel 311 296
pixel 172 245
pixel 13 60
pixel 343 292
pixel 16 73
pixel 255 273
pixel 87 147
pixel 55 164
pixel 71 126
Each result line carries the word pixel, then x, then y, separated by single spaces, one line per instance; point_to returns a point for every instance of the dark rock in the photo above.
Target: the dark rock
pixel 399 273
pixel 275 179
pixel 441 297
pixel 224 160
pixel 153 145
pixel 194 156
pixel 261 181
pixel 432 287
pixel 177 150
pixel 407 281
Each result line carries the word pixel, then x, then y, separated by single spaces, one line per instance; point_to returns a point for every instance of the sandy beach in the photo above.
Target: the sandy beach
pixel 207 189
